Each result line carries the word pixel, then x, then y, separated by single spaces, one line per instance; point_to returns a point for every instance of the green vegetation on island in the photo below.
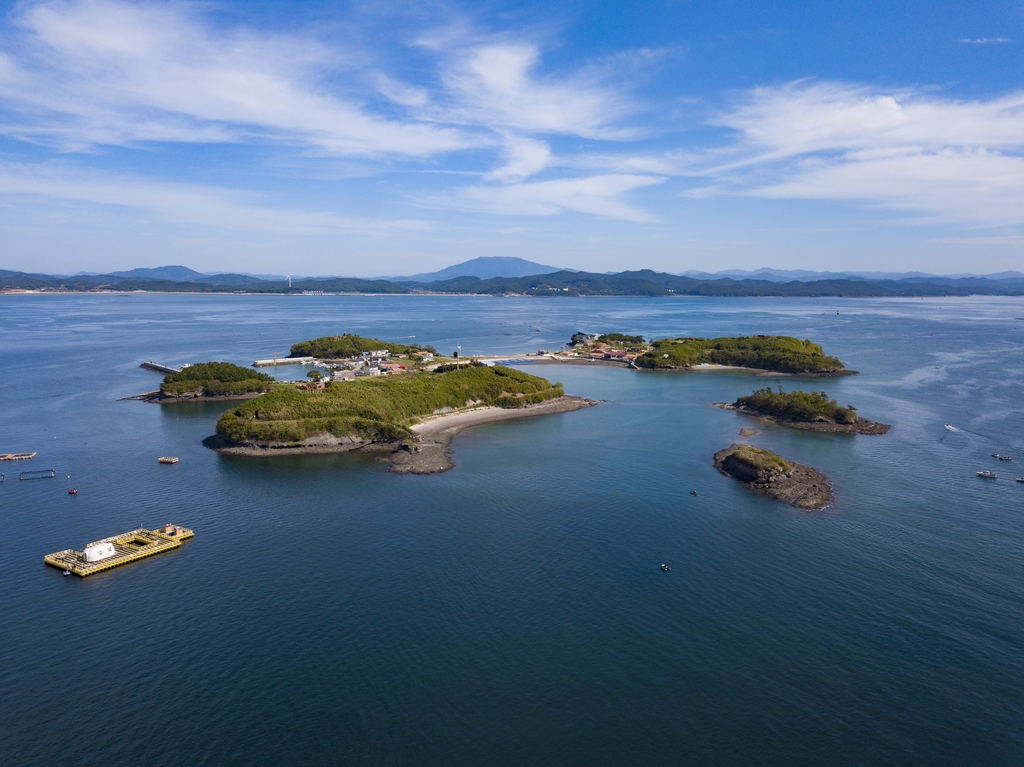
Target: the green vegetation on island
pixel 622 338
pixel 756 462
pixel 215 379
pixel 347 345
pixel 797 406
pixel 378 408
pixel 813 411
pixel 781 354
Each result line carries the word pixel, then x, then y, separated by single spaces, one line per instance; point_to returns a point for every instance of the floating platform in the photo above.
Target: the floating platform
pixel 126 547
pixel 16 456
pixel 38 474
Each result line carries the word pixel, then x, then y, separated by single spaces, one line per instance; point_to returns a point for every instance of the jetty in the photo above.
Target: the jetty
pixel 156 367
pixel 119 550
pixel 283 361
pixel 16 456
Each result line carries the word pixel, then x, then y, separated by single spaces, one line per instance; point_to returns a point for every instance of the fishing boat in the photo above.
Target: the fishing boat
pixel 987 474
pixel 1006 458
pixel 72 491
pixel 167 459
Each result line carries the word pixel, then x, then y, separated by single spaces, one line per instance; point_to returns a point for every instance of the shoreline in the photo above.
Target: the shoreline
pixel 427 452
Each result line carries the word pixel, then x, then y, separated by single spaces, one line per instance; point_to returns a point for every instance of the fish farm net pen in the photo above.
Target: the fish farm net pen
pixel 38 474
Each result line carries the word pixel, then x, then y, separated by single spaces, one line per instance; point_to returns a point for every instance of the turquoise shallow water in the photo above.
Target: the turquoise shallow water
pixel 513 611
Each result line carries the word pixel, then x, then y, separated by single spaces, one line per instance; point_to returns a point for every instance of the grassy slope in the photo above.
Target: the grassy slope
pixel 214 379
pixel 760 459
pixel 378 408
pixel 781 354
pixel 798 406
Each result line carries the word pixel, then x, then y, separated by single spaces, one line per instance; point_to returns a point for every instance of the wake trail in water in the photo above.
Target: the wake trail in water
pixel 971 433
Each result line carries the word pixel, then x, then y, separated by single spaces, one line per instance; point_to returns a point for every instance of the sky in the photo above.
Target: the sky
pixel 367 139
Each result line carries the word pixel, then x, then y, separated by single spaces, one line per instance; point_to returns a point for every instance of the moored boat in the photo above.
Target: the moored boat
pixel 987 474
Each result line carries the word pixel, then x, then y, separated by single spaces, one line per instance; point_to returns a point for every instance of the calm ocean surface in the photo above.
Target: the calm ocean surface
pixel 513 611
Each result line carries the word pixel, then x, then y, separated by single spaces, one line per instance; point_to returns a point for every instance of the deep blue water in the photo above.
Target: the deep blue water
pixel 513 611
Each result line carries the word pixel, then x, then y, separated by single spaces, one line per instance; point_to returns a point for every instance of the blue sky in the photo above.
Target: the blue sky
pixel 373 138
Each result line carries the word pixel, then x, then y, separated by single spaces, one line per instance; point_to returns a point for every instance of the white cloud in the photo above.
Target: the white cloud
pixel 495 84
pixel 524 157
pixel 105 71
pixel 595 195
pixel 984 40
pixel 960 161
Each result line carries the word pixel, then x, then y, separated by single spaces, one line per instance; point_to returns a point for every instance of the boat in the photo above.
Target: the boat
pixel 167 459
pixel 693 492
pixel 996 455
pixel 67 573
pixel 950 427
pixel 72 491
pixel 987 474
pixel 1020 479
pixel 1006 458
pixel 666 568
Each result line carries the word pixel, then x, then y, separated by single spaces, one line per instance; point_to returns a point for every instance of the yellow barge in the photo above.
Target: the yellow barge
pixel 119 550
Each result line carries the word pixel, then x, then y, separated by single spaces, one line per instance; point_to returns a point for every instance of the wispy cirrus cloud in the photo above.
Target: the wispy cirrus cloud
pixel 596 195
pixel 110 72
pixel 984 40
pixel 77 74
pixel 960 161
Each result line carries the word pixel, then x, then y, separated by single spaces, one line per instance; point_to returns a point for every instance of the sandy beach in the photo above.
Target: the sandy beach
pixel 428 452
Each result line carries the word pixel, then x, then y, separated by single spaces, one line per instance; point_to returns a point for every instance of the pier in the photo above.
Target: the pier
pixel 119 550
pixel 284 361
pixel 156 367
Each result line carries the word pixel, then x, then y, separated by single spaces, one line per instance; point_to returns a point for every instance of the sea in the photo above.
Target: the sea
pixel 514 610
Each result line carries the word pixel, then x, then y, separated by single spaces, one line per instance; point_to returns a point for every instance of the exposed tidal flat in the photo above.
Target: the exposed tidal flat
pixel 512 610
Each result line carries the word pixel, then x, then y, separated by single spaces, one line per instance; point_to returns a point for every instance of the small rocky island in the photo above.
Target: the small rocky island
pixel 811 411
pixel 769 474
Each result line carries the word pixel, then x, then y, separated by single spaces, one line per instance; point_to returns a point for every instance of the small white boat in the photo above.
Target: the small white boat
pixel 67 572
pixel 987 474
pixel 1020 479
pixel 666 568
pixel 167 459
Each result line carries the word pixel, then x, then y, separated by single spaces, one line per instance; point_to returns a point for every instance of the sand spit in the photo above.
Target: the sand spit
pixel 428 452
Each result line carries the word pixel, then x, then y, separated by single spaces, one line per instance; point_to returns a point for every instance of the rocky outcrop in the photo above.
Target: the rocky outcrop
pixel 769 474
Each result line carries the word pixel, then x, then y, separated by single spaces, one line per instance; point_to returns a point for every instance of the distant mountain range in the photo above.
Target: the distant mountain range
pixel 506 276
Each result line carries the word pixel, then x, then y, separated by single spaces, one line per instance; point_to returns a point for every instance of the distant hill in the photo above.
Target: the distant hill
pixel 484 268
pixel 173 273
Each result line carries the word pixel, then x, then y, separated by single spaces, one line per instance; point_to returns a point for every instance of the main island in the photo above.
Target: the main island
pixel 410 415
